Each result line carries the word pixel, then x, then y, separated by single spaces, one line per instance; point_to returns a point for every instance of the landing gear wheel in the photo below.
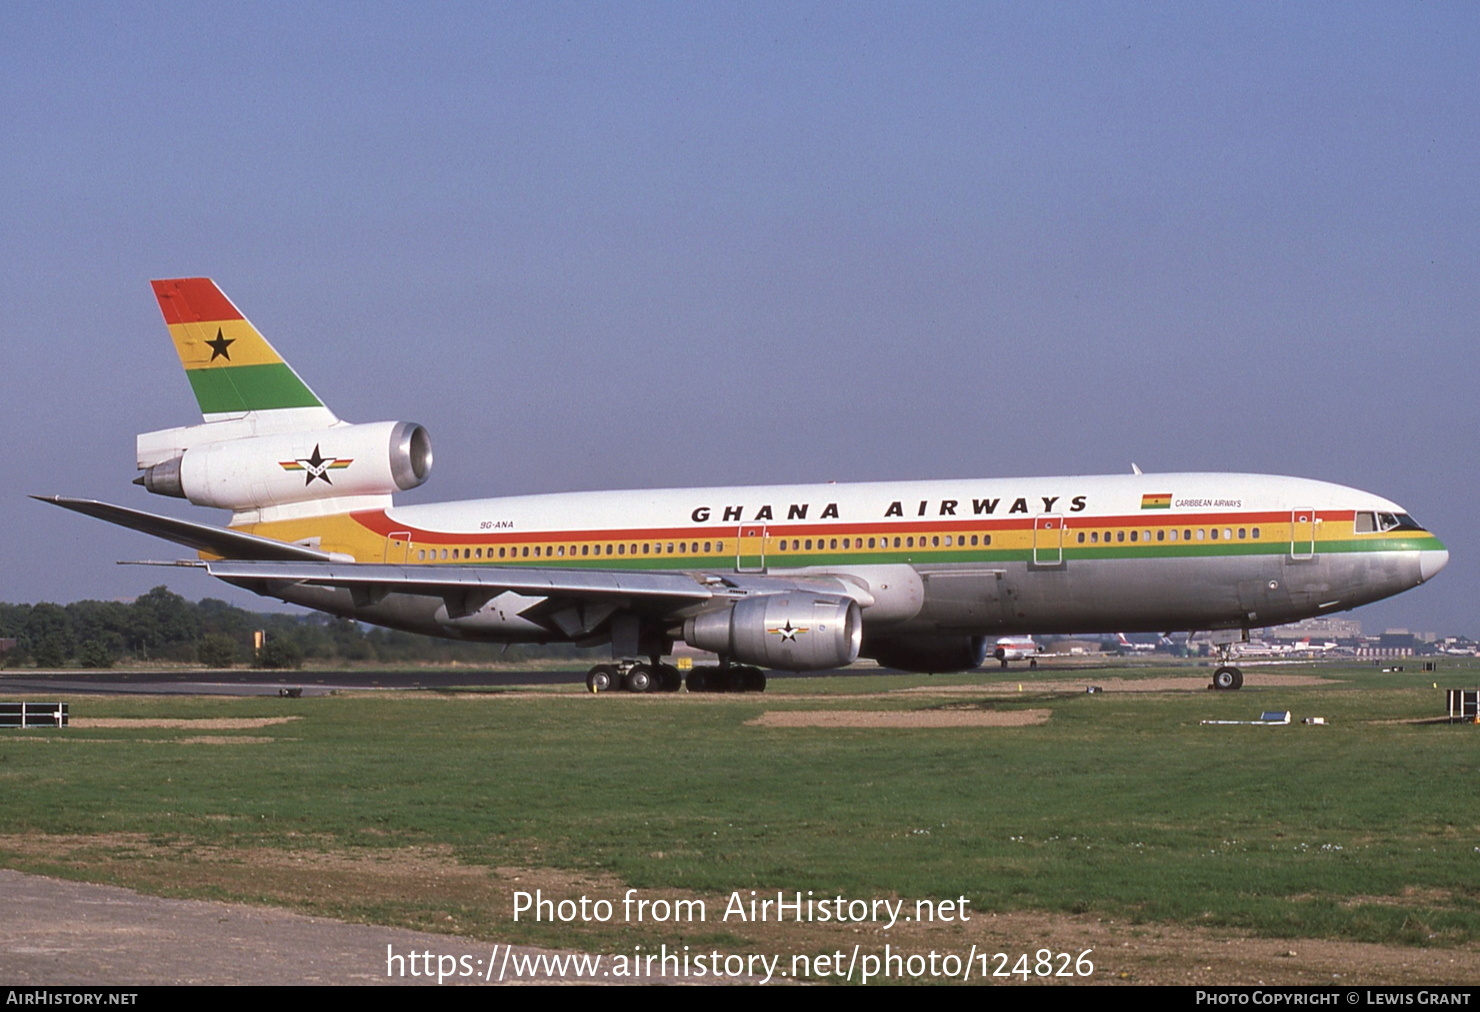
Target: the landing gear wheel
pixel 640 678
pixel 669 680
pixel 603 678
pixel 1228 679
pixel 752 680
pixel 698 680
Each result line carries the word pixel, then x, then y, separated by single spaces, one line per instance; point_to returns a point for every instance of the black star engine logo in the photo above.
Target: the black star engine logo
pixel 788 632
pixel 317 466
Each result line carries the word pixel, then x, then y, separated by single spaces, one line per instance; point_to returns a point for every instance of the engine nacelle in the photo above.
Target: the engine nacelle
pixel 935 655
pixel 378 458
pixel 793 631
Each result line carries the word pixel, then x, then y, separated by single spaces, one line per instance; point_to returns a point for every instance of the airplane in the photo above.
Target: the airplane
pixel 1127 646
pixel 1017 648
pixel 918 575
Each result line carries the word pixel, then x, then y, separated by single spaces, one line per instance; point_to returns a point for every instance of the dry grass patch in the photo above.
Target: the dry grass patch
pixel 183 723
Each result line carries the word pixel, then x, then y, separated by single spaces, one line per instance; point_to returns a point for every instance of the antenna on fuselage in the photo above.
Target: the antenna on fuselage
pixel 1135 468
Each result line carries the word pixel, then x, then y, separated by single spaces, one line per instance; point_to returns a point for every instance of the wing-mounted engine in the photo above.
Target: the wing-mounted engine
pixel 253 471
pixel 793 631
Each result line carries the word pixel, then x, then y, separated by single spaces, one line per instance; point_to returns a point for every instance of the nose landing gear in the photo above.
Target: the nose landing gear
pixel 1227 678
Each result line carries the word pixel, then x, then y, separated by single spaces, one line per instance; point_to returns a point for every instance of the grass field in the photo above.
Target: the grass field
pixel 428 809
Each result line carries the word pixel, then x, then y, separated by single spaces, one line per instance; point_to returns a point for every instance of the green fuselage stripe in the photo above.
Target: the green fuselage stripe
pixel 249 388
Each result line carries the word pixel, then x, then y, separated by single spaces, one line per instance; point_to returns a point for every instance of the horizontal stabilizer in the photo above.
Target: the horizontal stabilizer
pixel 202 537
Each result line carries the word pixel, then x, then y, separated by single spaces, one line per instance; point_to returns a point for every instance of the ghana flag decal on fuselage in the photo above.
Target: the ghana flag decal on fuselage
pixel 231 367
pixel 1156 501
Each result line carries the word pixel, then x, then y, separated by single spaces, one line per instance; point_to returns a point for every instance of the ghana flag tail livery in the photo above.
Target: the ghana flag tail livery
pixel 231 367
pixel 269 448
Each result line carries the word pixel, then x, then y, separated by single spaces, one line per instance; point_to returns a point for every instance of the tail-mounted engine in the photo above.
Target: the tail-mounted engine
pixel 378 458
pixel 794 631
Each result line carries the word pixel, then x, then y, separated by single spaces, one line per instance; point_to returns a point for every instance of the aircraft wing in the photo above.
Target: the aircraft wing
pixel 374 578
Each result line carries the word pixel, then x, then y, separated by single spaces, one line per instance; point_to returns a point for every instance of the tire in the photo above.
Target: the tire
pixel 698 680
pixel 640 678
pixel 1228 679
pixel 753 680
pixel 602 678
pixel 669 680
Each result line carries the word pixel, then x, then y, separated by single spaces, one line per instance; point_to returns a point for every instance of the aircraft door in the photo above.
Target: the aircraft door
pixel 1302 533
pixel 1048 540
pixel 397 547
pixel 750 549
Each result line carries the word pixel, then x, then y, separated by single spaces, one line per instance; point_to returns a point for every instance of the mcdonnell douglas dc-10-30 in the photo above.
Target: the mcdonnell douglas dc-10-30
pixel 919 575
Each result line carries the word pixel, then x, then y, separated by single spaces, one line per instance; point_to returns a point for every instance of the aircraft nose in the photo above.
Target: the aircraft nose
pixel 1429 563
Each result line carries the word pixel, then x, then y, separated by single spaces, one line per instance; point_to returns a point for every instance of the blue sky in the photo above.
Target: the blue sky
pixel 599 245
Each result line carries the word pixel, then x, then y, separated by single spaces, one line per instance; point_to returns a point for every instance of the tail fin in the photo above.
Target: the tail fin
pixel 231 367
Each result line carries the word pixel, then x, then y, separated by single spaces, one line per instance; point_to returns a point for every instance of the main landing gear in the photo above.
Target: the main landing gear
pixel 1227 678
pixel 727 678
pixel 634 677
pixel 658 677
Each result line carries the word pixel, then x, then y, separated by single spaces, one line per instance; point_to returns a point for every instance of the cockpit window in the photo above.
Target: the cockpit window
pixel 1368 523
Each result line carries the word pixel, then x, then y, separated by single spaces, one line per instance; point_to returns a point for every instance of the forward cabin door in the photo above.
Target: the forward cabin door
pixel 750 549
pixel 1302 533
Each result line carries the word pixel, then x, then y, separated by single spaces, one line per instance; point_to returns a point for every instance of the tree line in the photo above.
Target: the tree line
pixel 162 626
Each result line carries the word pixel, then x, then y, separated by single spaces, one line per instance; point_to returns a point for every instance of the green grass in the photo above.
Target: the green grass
pixel 1121 805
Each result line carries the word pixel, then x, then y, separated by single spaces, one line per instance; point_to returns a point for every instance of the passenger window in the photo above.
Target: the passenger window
pixel 1228 534
pixel 986 539
pixel 1201 534
pixel 1213 533
pixel 1161 535
pixel 1242 533
pixel 1120 535
pixel 1256 534
pixel 1094 537
pixel 833 543
pixel 1133 535
pixel 1081 537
